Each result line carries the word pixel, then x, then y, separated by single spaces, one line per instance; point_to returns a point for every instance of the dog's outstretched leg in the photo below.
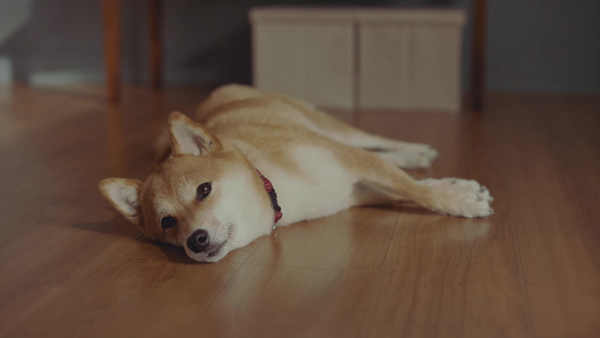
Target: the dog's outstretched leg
pixel 451 196
pixel 400 153
pixel 421 157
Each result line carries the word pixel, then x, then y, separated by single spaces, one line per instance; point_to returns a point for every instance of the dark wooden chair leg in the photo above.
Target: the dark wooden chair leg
pixel 111 12
pixel 478 54
pixel 154 29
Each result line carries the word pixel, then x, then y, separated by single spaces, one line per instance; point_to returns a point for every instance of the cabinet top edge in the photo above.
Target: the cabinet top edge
pixel 351 15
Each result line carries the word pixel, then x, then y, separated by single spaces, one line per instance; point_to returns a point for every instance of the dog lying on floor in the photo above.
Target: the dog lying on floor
pixel 256 160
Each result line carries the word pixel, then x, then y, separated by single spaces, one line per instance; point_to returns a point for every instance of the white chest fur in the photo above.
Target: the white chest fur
pixel 319 187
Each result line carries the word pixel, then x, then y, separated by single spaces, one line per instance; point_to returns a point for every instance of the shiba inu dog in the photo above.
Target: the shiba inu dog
pixel 252 160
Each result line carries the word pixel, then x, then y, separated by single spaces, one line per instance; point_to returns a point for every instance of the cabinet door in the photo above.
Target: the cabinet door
pixel 384 69
pixel 311 61
pixel 436 67
pixel 410 67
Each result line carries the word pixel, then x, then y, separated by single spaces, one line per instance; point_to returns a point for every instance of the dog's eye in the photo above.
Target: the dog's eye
pixel 203 190
pixel 168 222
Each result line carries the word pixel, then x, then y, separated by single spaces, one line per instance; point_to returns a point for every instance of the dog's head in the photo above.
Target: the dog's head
pixel 205 197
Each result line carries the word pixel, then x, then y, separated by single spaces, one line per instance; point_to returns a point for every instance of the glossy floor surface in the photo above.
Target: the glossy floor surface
pixel 70 267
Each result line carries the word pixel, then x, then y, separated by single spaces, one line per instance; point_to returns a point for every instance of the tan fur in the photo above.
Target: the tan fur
pixel 317 164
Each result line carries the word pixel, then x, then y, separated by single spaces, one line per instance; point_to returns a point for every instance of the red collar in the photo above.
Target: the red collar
pixel 271 191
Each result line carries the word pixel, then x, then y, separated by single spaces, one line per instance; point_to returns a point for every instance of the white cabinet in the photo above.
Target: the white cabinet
pixel 356 58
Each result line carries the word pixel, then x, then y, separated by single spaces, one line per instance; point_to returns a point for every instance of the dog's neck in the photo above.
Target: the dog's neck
pixel 273 196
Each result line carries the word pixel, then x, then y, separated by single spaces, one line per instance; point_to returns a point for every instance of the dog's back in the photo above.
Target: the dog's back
pixel 241 111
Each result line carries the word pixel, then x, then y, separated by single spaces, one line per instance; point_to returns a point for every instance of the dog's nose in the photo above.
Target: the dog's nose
pixel 198 241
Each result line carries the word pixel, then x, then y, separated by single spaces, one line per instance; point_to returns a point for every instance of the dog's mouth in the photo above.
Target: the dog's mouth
pixel 216 250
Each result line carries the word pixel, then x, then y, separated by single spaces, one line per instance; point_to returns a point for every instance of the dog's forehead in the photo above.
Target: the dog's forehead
pixel 190 165
pixel 180 170
pixel 178 178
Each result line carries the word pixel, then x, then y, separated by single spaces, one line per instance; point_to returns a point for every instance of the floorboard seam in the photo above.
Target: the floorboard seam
pixel 362 324
pixel 529 314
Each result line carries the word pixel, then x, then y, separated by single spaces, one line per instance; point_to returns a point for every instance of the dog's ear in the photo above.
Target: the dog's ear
pixel 124 195
pixel 189 137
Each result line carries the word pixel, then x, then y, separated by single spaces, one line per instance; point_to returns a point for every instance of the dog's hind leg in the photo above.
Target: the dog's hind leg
pixel 418 158
pixel 456 197
pixel 399 153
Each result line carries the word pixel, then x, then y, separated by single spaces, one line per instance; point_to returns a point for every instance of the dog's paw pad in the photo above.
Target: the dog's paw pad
pixel 463 203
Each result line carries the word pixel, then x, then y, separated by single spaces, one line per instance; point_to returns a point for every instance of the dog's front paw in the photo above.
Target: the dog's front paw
pixel 464 203
pixel 460 185
pixel 459 197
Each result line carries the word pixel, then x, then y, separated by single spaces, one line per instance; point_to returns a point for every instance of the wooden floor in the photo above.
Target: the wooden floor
pixel 70 267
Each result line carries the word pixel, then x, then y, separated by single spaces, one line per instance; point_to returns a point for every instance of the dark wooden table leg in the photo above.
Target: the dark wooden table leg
pixel 111 12
pixel 478 54
pixel 154 29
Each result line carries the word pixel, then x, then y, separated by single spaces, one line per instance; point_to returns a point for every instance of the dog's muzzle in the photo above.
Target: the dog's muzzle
pixel 198 241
